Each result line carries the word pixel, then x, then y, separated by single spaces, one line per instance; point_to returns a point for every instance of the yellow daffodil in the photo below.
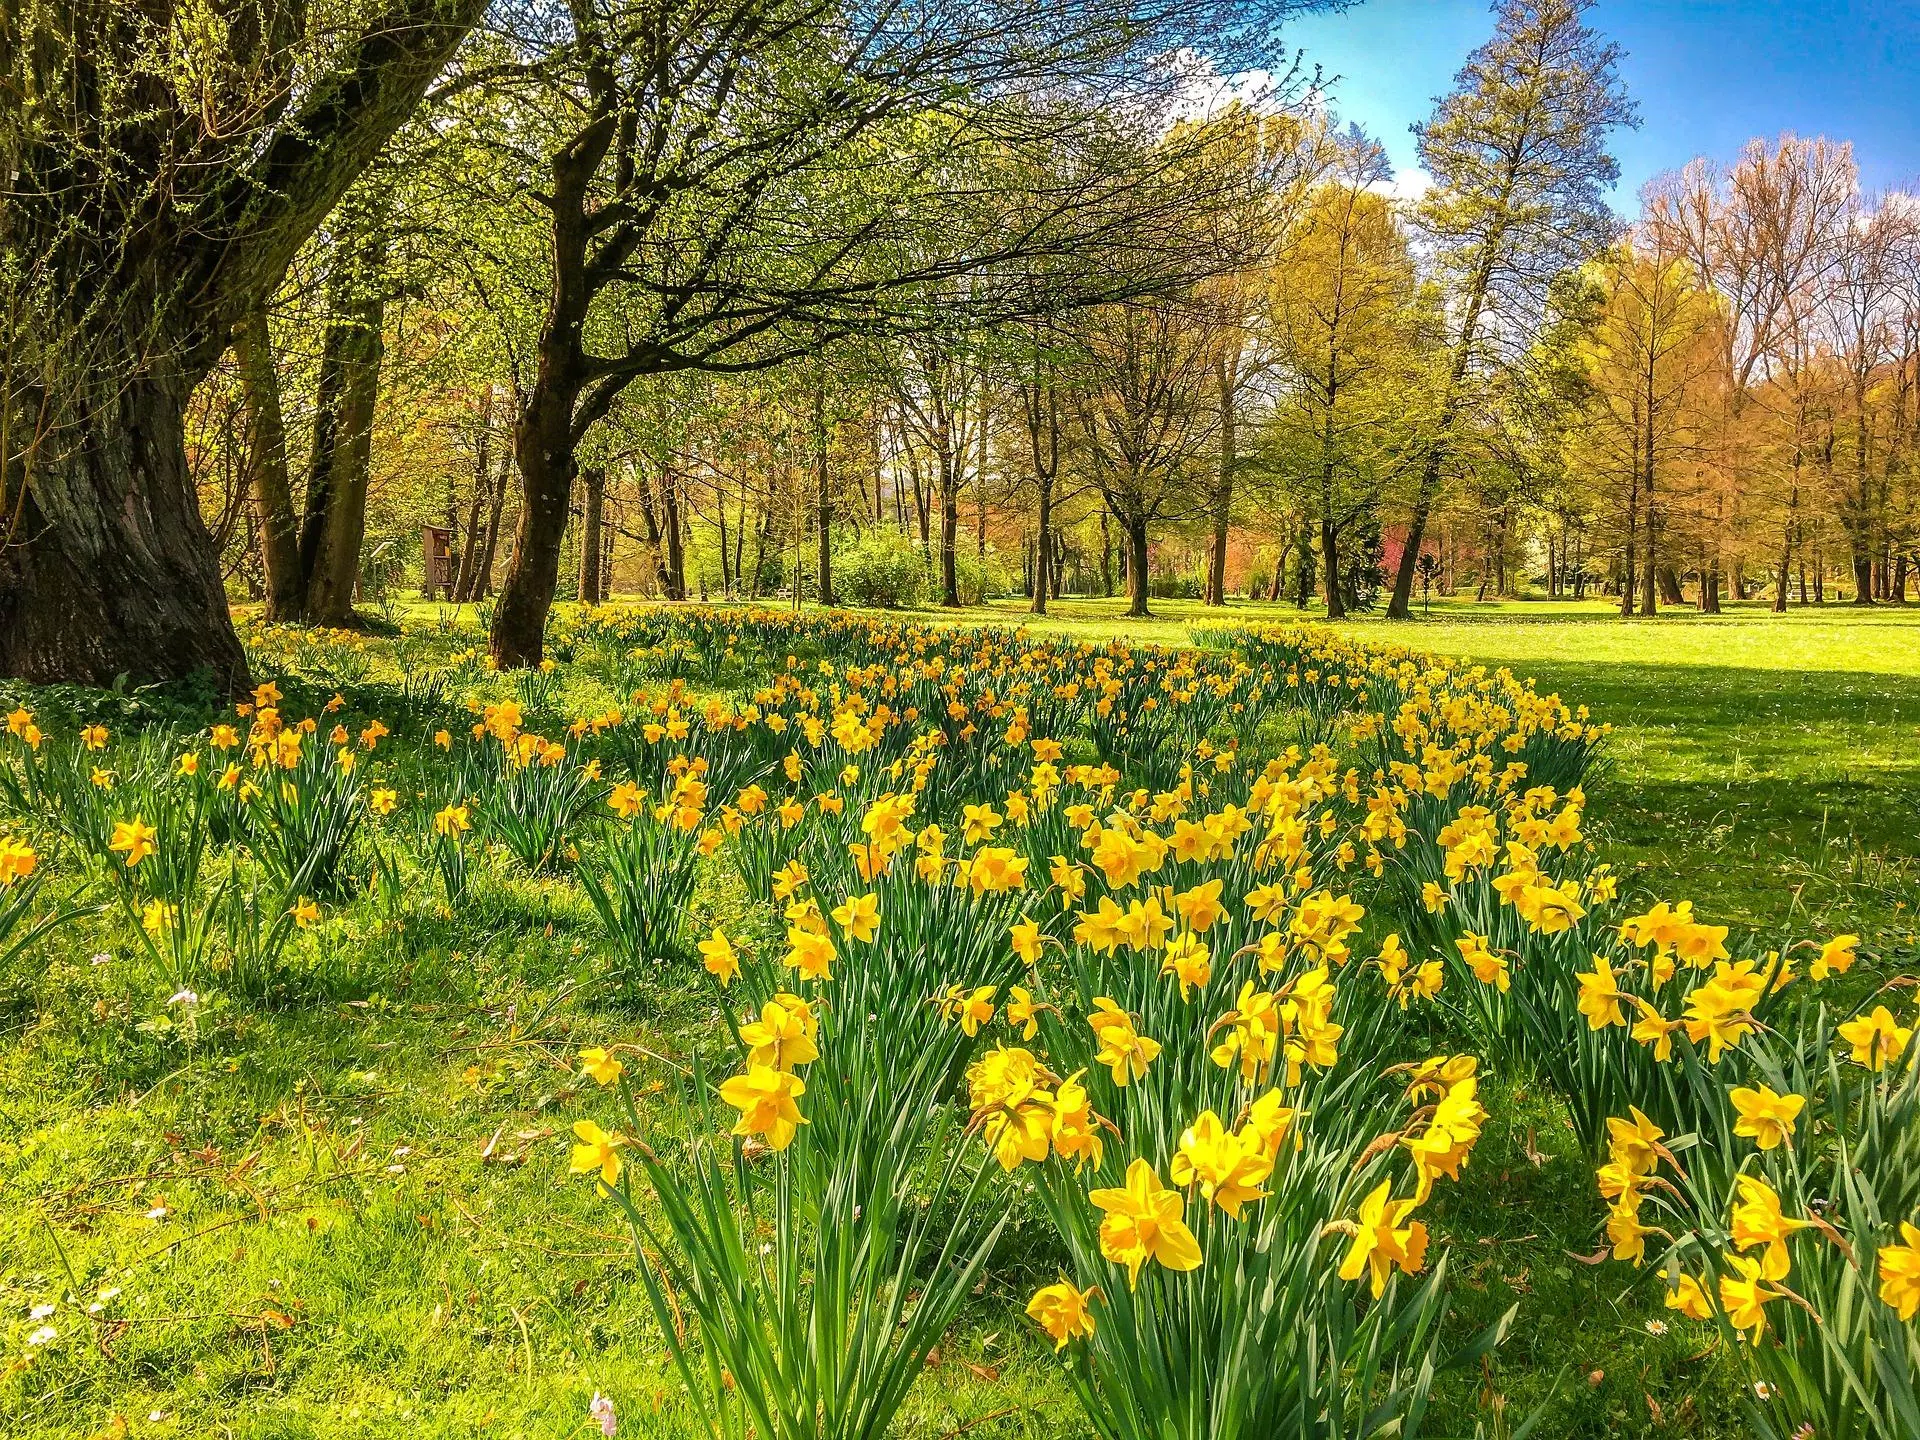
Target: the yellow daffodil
pixel 597 1062
pixel 1143 1222
pixel 1744 1296
pixel 1766 1117
pixel 1758 1220
pixel 1125 1051
pixel 1685 1295
pixel 859 918
pixel 1875 1038
pixel 133 838
pixel 718 956
pixel 1228 1167
pixel 1381 1242
pixel 1899 1267
pixel 783 1036
pixel 767 1101
pixel 595 1152
pixel 1063 1311
pixel 1600 999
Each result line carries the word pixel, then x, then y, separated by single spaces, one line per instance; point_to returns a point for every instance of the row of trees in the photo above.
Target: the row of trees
pixel 1739 391
pixel 627 189
pixel 1098 337
pixel 757 297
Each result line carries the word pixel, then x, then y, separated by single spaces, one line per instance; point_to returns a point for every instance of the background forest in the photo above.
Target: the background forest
pixel 1220 358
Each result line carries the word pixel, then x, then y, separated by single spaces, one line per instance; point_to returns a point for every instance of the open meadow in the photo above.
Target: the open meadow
pixel 307 1101
pixel 554 885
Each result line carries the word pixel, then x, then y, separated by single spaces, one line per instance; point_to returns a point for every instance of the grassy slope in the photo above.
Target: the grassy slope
pixel 306 1277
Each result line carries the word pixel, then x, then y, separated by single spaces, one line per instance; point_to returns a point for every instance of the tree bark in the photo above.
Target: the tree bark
pixel 463 587
pixel 1137 566
pixel 823 495
pixel 267 466
pixel 676 550
pixel 1043 546
pixel 1862 576
pixel 949 529
pixel 1303 556
pixel 544 434
pixel 1330 563
pixel 483 572
pixel 113 572
pixel 543 451
pixel 1400 607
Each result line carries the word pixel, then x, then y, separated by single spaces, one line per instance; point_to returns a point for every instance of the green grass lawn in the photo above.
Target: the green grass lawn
pixel 344 1213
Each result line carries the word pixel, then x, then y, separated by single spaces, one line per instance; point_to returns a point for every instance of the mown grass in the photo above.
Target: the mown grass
pixel 341 1210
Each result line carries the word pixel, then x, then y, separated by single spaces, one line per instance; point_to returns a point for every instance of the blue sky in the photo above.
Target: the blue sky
pixel 1707 74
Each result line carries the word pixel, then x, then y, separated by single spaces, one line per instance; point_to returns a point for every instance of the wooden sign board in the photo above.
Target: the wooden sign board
pixel 436 557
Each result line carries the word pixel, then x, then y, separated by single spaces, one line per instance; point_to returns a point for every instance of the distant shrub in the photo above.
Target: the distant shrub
pixel 980 579
pixel 881 568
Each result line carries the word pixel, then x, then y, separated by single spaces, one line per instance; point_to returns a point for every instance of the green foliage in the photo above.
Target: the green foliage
pixel 639 882
pixel 882 568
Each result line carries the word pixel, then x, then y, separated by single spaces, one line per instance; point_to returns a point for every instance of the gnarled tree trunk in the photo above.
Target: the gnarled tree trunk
pixel 137 281
pixel 1137 566
pixel 111 571
pixel 336 515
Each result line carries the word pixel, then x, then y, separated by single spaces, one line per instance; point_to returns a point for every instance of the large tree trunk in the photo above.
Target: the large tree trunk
pixel 544 433
pixel 267 466
pixel 146 234
pixel 676 550
pixel 1400 607
pixel 543 451
pixel 1137 566
pixel 483 571
pixel 111 572
pixel 823 495
pixel 1330 563
pixel 1043 546
pixel 949 531
pixel 1303 566
pixel 1862 574
pixel 463 582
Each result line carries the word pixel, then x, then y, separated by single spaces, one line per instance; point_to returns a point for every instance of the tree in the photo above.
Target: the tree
pixel 1281 156
pixel 730 188
pixel 1647 354
pixel 1348 339
pixel 165 175
pixel 1146 417
pixel 1517 152
pixel 1763 236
